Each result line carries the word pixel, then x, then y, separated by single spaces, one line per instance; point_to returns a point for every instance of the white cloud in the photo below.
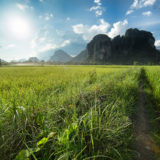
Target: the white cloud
pixel 129 12
pixel 65 43
pixel 33 43
pixel 142 3
pixel 98 2
pixel 88 32
pixel 94 8
pixel 118 28
pixel 97 9
pixel 157 43
pixel 48 16
pixel 79 28
pixel 148 13
pixel 135 4
pixel 98 13
pixel 47 47
pixel 149 2
pixel 23 7
pixel 41 0
pixel 50 46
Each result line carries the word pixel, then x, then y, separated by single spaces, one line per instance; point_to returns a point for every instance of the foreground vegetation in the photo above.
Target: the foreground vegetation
pixel 68 112
pixel 153 92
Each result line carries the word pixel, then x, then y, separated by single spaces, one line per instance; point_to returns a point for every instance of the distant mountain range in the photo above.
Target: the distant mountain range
pixel 136 46
pixel 80 58
pixel 22 60
pixel 2 61
pixel 60 56
pixel 33 60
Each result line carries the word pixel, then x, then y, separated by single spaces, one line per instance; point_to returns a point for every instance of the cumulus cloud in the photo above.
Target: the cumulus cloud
pixel 142 3
pixel 149 2
pixel 148 13
pixel 129 12
pixel 157 43
pixel 88 32
pixel 118 28
pixel 135 4
pixel 98 10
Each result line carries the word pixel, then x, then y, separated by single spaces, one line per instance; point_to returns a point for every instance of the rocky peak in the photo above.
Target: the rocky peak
pixel 140 39
pixel 60 56
pixel 99 48
pixel 135 45
pixel 33 59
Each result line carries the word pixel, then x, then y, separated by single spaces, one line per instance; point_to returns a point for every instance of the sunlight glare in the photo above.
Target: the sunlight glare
pixel 19 27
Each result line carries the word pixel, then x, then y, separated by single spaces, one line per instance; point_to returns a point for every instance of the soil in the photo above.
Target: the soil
pixel 145 146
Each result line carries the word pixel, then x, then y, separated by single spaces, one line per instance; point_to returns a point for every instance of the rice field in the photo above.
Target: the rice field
pixel 69 112
pixel 153 75
pixel 153 91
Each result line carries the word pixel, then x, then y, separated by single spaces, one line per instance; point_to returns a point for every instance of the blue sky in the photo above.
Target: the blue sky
pixel 38 27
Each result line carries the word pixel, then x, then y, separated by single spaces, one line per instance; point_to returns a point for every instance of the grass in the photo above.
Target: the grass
pixel 153 99
pixel 67 112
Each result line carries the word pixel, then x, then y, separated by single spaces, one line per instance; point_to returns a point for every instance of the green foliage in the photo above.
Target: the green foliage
pixel 23 155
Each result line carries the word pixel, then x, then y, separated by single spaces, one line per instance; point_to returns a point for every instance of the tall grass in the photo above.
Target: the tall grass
pixel 67 112
pixel 153 75
pixel 153 92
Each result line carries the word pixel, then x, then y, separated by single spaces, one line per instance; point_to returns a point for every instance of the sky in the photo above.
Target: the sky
pixel 31 28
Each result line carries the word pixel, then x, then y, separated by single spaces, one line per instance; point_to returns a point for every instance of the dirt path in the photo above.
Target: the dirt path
pixel 145 146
